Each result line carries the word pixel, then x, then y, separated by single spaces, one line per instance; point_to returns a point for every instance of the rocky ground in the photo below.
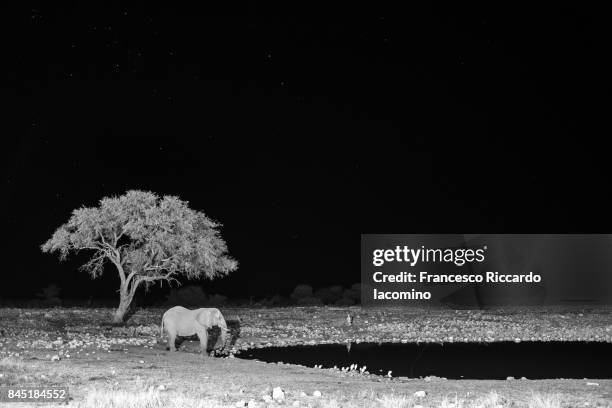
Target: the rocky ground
pixel 78 347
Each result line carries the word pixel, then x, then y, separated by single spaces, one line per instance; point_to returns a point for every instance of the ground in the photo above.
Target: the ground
pixel 106 365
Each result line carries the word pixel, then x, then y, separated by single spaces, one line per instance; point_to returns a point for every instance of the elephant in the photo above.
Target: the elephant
pixel 183 322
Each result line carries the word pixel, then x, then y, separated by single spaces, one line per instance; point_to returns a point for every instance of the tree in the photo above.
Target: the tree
pixel 148 239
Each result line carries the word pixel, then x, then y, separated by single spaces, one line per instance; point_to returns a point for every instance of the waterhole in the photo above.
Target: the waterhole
pixel 533 360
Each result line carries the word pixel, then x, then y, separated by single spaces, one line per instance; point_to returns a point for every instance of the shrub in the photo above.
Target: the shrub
pixel 278 300
pixel 239 302
pixel 352 294
pixel 34 303
pixel 50 295
pixel 329 295
pixel 188 296
pixel 265 302
pixel 309 301
pixel 301 292
pixel 217 300
pixel 345 302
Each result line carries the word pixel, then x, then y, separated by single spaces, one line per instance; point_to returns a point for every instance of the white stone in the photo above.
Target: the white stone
pixel 278 394
pixel 240 403
pixel 161 387
pixel 420 394
pixel 317 393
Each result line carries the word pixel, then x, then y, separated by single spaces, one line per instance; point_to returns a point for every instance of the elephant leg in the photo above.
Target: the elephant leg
pixel 203 336
pixel 179 341
pixel 172 341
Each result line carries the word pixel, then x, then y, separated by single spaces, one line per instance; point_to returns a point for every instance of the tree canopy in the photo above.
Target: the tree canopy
pixel 147 238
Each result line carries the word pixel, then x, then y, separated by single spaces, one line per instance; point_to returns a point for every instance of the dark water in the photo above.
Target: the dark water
pixel 534 360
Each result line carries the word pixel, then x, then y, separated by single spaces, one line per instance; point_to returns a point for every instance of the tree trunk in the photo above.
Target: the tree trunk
pixel 124 305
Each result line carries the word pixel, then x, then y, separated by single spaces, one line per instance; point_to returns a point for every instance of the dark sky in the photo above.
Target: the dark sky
pixel 376 121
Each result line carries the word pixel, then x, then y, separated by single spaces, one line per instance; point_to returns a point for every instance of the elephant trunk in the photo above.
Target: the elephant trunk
pixel 224 331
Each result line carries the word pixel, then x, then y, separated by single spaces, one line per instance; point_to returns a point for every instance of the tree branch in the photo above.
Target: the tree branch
pixel 119 270
pixel 168 276
pixel 130 276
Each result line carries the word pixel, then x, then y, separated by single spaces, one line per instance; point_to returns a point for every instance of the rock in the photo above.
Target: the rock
pixel 509 378
pixel 240 403
pixel 296 403
pixel 593 383
pixel 55 358
pixel 317 393
pixel 267 398
pixel 303 394
pixel 420 394
pixel 161 387
pixel 278 394
pixel 251 404
pixel 141 361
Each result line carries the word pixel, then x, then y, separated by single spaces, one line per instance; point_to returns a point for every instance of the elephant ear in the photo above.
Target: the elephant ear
pixel 204 317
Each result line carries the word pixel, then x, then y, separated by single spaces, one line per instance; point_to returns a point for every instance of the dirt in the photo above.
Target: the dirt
pixel 132 357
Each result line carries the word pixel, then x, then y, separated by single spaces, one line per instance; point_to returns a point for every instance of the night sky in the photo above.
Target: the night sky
pixel 422 120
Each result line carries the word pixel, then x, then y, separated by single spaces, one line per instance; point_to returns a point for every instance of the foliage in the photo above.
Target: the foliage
pixel 301 291
pixel 50 295
pixel 147 238
pixel 188 296
pixel 279 300
pixel 217 300
pixel 345 302
pixel 329 295
pixel 309 301
pixel 193 296
pixel 352 294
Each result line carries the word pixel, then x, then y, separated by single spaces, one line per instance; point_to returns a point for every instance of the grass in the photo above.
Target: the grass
pixel 545 401
pixel 152 398
pixel 394 401
pixel 13 363
pixel 104 398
